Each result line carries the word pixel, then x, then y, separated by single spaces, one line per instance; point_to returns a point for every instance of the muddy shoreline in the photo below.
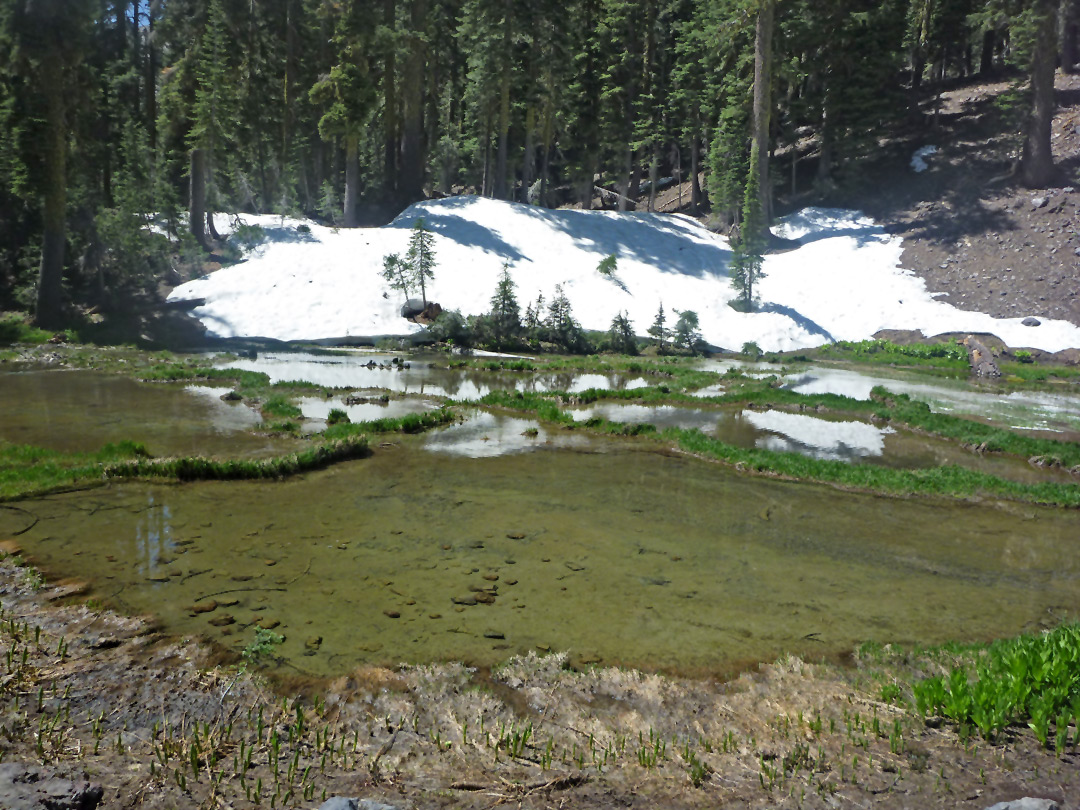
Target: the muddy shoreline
pixel 101 699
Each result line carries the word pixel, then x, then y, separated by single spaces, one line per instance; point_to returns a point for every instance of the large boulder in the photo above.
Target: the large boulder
pixel 417 311
pixel 412 308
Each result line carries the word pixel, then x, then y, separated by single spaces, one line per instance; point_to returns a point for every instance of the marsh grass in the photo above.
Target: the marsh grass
pixel 950 355
pixel 947 481
pixel 901 408
pixel 280 407
pixel 410 423
pixel 194 468
pixel 171 372
pixel 1031 681
pixel 26 470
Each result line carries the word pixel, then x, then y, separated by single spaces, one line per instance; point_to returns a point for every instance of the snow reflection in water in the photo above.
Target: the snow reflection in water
pixel 420 376
pixel 1032 410
pixel 818 438
pixel 486 435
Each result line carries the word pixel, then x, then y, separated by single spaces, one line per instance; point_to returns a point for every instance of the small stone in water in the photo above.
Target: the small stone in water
pixel 393 614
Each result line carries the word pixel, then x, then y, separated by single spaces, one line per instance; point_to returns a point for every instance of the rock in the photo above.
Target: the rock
pixel 412 308
pixel 392 614
pixel 1031 322
pixel 338 803
pixel 222 621
pixel 29 787
pixel 313 643
pixel 1039 202
pixel 981 359
pixel 1026 803
pixel 371 804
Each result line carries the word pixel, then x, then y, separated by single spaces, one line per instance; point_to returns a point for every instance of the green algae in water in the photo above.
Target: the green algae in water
pixel 616 554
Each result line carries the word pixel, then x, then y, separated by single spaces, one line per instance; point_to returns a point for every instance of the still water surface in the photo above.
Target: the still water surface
pixel 615 553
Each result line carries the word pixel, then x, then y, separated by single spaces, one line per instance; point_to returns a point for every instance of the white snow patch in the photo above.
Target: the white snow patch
pixel 918 160
pixel 843 282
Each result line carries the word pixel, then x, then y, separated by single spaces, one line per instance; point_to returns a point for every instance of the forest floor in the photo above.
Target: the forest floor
pixel 970 230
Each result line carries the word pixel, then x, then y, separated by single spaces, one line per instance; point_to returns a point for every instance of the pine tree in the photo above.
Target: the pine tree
pixel 505 314
pixel 750 243
pixel 348 96
pixel 420 257
pixel 687 334
pixel 659 330
pixel 1037 158
pixel 213 120
pixel 621 335
pixel 397 274
pixel 47 39
pixel 562 328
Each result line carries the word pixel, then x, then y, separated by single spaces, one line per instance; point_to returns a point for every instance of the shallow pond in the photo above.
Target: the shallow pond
pixel 614 553
pixel 420 376
pixel 821 436
pixel 1031 410
pixel 80 411
pixel 361 408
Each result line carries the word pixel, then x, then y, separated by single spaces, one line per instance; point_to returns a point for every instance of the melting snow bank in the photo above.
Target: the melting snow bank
pixel 842 282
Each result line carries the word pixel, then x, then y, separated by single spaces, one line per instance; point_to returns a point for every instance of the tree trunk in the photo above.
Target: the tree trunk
pixel 825 158
pixel 654 175
pixel 528 165
pixel 1070 28
pixel 695 169
pixel 197 198
pixel 49 314
pixel 151 79
pixel 763 54
pixel 626 179
pixel 352 179
pixel 502 157
pixel 412 158
pixel 986 58
pixel 390 112
pixel 1037 159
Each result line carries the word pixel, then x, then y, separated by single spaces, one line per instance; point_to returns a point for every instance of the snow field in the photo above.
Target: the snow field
pixel 842 282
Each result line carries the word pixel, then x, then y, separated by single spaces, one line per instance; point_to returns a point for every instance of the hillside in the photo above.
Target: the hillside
pixel 958 247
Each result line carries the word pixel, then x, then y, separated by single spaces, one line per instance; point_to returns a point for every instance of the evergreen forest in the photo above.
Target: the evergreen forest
pixel 126 124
